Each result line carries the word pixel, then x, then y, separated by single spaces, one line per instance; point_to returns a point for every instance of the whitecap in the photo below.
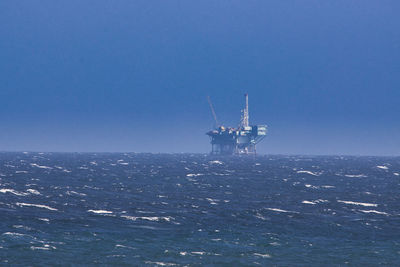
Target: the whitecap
pixel 100 211
pixel 122 246
pixel 382 167
pixel 216 162
pixel 154 219
pixel 374 211
pixel 194 174
pixel 262 255
pixel 280 210
pixel 160 263
pixel 355 175
pixel 21 172
pixel 212 201
pixel 308 202
pixel 309 172
pixel 19 226
pixel 9 165
pixel 396 173
pixel 314 202
pixel 327 186
pixel 13 234
pixel 198 252
pixel 259 216
pixel 35 205
pixel 12 191
pixel 33 191
pixel 75 193
pixel 40 166
pixel 45 247
pixel 358 203
pixel 311 186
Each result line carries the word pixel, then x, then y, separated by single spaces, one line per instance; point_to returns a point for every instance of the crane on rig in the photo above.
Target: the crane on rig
pixel 213 111
pixel 240 140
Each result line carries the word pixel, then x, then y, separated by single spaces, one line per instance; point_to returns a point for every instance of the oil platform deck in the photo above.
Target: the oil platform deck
pixel 240 140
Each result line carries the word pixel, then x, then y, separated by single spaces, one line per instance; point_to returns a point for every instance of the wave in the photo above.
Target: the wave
pixel 40 166
pixel 15 234
pixel 12 191
pixel 309 172
pixel 160 263
pixel 75 193
pixel 262 255
pixel 122 246
pixel 280 210
pixel 355 175
pixel 314 202
pixel 154 219
pixel 100 211
pixel 198 252
pixel 194 174
pixel 35 205
pixel 216 162
pixel 374 211
pixel 33 191
pixel 382 167
pixel 358 203
pixel 45 247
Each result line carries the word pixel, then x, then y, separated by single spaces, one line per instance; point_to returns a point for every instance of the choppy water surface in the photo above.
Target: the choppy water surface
pixel 190 210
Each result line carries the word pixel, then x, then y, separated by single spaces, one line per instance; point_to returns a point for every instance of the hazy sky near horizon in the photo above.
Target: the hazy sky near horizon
pixel 134 75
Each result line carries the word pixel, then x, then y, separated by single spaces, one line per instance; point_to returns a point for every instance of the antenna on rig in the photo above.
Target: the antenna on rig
pixel 213 111
pixel 245 113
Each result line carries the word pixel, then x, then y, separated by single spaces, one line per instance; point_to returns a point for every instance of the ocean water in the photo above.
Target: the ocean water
pixel 195 210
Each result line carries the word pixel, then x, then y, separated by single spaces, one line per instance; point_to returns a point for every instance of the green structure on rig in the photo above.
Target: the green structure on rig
pixel 240 140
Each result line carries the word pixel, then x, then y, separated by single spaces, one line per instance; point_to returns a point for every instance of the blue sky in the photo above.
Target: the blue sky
pixel 134 75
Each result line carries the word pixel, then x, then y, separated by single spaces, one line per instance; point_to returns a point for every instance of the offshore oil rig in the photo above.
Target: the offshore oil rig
pixel 240 140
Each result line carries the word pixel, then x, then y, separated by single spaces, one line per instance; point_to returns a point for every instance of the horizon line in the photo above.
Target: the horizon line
pixel 200 153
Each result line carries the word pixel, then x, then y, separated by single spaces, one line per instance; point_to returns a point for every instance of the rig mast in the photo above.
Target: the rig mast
pixel 244 122
pixel 241 140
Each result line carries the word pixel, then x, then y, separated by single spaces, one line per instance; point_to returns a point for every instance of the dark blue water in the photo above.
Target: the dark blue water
pixel 191 210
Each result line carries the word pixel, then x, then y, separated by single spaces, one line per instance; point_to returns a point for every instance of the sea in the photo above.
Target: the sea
pixel 135 209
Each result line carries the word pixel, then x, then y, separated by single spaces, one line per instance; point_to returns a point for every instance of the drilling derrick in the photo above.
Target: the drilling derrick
pixel 244 122
pixel 240 140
